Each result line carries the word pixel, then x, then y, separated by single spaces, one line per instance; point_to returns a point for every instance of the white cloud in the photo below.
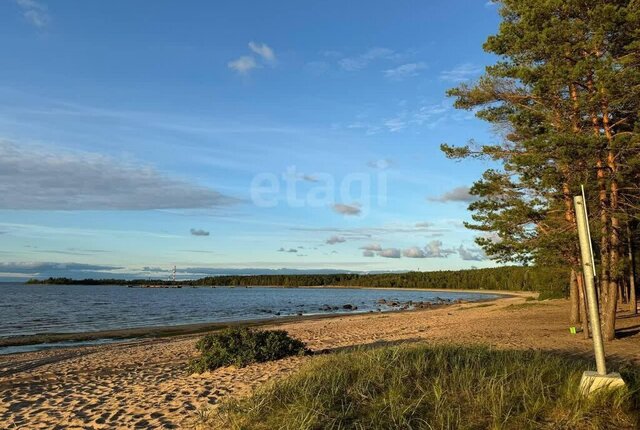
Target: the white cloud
pixel 373 247
pixel 434 249
pixel 420 115
pixel 246 63
pixel 381 164
pixel 243 65
pixel 413 252
pixel 335 239
pixel 348 210
pixel 458 194
pixel 38 179
pixel 390 253
pixel 461 73
pixel 395 124
pixel 471 254
pixel 405 71
pixel 264 51
pixel 34 12
pixel 359 62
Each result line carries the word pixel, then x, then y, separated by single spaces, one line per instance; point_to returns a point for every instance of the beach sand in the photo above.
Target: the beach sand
pixel 145 384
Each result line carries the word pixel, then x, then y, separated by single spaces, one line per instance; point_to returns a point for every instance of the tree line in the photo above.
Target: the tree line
pixel 564 101
pixel 548 281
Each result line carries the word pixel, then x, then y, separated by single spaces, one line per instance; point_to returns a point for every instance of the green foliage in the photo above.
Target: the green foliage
pixel 509 278
pixel 243 346
pixel 433 387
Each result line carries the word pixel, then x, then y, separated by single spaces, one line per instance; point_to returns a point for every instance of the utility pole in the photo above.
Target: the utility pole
pixel 592 381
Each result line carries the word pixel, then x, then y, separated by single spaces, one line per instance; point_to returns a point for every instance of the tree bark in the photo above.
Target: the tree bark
pixel 611 300
pixel 633 300
pixel 583 305
pixel 574 316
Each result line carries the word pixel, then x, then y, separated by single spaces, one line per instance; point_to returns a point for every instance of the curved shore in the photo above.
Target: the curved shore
pixel 145 384
pixel 116 335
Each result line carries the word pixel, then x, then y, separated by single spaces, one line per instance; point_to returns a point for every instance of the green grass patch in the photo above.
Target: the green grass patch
pixel 241 346
pixel 483 305
pixel 525 305
pixel 433 387
pixel 550 294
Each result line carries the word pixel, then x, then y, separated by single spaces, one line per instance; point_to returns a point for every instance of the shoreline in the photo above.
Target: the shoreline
pixel 154 332
pixel 146 384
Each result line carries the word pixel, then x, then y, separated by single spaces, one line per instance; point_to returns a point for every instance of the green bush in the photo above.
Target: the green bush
pixel 434 387
pixel 243 346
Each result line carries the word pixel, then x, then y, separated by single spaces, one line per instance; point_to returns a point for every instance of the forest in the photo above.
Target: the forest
pixel 549 282
pixel 563 99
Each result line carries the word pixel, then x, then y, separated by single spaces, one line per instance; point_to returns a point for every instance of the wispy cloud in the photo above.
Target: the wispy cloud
pixel 35 268
pixel 347 210
pixel 199 232
pixel 371 233
pixel 422 115
pixel 36 13
pixel 246 63
pixel 405 71
pixel 359 62
pixel 243 65
pixel 264 51
pixel 381 164
pixel 458 194
pixel 38 179
pixel 461 73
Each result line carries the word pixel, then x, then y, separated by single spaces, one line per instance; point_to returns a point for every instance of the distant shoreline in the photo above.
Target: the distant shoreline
pixel 150 332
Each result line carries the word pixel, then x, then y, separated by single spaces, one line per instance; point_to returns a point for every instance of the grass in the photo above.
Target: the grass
pixel 433 387
pixel 525 305
pixel 483 305
pixel 551 294
pixel 241 346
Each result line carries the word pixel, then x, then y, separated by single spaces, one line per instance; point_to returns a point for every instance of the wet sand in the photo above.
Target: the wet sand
pixel 145 384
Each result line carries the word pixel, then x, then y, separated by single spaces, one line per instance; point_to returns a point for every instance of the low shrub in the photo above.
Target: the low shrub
pixel 243 346
pixel 434 387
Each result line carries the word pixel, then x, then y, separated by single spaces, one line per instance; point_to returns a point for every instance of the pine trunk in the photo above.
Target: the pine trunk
pixel 583 306
pixel 633 300
pixel 611 301
pixel 574 296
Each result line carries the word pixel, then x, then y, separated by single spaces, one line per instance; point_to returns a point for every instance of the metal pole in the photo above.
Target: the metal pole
pixel 589 279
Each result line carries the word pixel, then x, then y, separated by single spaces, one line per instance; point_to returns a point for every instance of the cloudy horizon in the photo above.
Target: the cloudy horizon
pixel 137 144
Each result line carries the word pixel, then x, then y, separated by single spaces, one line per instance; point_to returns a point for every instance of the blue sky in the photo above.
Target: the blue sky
pixel 135 136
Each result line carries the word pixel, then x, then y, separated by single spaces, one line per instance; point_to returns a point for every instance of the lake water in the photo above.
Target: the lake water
pixel 39 309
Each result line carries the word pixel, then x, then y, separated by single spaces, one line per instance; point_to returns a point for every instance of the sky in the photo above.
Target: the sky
pixel 236 137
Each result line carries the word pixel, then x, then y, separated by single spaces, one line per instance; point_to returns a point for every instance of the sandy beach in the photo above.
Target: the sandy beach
pixel 144 384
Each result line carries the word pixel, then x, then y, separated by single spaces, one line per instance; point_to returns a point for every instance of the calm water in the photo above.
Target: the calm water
pixel 37 309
